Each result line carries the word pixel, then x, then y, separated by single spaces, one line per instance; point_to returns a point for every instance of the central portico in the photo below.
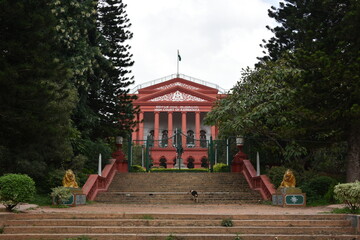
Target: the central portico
pixel 176 103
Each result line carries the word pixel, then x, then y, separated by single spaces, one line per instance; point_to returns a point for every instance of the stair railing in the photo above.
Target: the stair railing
pixel 260 183
pixel 96 183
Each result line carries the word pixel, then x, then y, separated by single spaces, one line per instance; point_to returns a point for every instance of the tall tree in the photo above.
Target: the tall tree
pixel 111 99
pixel 36 99
pixel 323 38
pixel 262 106
pixel 306 89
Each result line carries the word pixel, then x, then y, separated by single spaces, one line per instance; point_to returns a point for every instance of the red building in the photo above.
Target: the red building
pixel 176 102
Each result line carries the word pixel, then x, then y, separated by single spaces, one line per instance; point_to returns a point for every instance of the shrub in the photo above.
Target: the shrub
pixel 276 175
pixel 54 178
pixel 221 167
pixel 60 194
pixel 16 188
pixel 137 168
pixel 319 187
pixel 348 193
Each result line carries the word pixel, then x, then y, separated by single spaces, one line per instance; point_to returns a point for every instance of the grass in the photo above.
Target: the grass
pixel 147 217
pixel 227 222
pixel 172 237
pixel 265 202
pixel 42 200
pixel 237 237
pixel 345 210
pixel 318 202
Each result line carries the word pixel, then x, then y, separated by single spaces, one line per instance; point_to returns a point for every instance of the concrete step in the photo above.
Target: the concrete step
pixel 175 216
pixel 140 236
pixel 174 222
pixel 174 188
pixel 179 226
pixel 180 229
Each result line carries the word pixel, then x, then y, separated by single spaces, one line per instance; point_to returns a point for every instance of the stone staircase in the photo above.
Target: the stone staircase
pixel 173 188
pixel 175 226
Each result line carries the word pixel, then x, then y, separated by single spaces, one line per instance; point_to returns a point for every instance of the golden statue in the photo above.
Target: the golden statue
pixel 288 179
pixel 69 179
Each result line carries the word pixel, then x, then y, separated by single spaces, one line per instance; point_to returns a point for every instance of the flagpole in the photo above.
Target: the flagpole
pixel 177 57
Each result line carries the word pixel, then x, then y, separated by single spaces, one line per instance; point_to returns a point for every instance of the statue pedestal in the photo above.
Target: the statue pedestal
pixel 289 197
pixel 180 161
pixel 77 198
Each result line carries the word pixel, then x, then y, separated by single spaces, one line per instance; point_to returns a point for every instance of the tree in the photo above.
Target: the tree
pixel 63 83
pixel 114 105
pixel 15 189
pixel 323 39
pixel 36 97
pixel 262 106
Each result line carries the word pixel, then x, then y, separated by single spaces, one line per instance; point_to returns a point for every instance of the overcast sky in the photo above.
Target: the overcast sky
pixel 216 39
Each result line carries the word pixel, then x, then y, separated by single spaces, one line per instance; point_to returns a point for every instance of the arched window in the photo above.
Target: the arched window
pixel 164 138
pixel 203 142
pixel 190 139
pixel 151 138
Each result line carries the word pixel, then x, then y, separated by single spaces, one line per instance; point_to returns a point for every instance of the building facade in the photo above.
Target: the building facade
pixel 172 111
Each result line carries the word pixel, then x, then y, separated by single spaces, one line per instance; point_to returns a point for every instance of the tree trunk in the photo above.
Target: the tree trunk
pixel 353 155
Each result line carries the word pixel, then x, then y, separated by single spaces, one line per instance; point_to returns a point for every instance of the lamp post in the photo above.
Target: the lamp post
pixel 236 165
pixel 118 155
pixel 119 142
pixel 239 141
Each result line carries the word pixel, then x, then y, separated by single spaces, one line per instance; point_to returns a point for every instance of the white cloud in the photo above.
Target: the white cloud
pixel 216 39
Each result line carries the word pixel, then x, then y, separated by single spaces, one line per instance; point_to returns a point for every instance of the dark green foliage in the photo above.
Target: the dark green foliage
pixel 63 86
pixel 321 39
pixel 276 175
pixel 55 178
pixel 346 210
pixel 114 107
pixel 16 188
pixel 35 95
pixel 221 167
pixel 318 187
pixel 41 200
pixel 303 97
pixel 92 150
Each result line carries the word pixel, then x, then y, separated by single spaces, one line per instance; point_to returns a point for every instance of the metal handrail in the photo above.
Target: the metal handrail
pixel 172 76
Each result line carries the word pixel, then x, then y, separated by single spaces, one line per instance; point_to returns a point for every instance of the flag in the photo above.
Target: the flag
pixel 179 57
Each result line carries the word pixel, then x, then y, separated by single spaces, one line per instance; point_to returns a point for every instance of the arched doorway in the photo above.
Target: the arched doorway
pixel 204 162
pixel 190 162
pixel 163 162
